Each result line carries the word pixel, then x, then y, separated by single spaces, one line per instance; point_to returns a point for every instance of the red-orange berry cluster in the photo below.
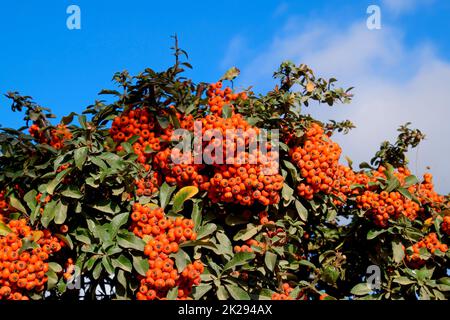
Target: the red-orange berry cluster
pixel 57 135
pixel 179 168
pixel 445 226
pixel 139 122
pixel 386 205
pixel 165 235
pixel 22 272
pixel 148 185
pixel 248 246
pixel 286 294
pixel 217 97
pixel 431 243
pixel 318 161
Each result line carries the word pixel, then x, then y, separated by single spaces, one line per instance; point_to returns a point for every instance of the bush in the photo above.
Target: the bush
pixel 120 203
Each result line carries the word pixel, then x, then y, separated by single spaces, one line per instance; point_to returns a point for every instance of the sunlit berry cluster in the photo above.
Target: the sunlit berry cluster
pixel 24 271
pixel 318 161
pixel 217 97
pixel 163 238
pixel 431 243
pixel 386 205
pixel 179 168
pixel 286 294
pixel 445 226
pixel 57 135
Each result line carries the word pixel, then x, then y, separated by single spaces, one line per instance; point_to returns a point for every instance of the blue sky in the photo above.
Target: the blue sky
pixel 400 72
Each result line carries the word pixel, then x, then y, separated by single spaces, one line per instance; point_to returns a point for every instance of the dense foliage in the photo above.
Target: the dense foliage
pixel 116 207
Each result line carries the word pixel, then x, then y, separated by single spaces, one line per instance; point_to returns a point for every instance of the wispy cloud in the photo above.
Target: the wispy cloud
pixel 394 84
pixel 236 49
pixel 404 6
pixel 281 9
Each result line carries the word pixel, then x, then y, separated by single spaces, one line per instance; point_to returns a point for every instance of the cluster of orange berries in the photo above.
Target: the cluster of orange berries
pixel 57 135
pixel 24 271
pixel 426 193
pixel 318 161
pixel 217 97
pixel 240 176
pixel 431 243
pixel 286 294
pixel 165 235
pixel 385 205
pixel 248 246
pixel 69 269
pixel 148 185
pixel 142 123
pixel 4 206
pixel 179 168
pixel 139 122
pixel 445 226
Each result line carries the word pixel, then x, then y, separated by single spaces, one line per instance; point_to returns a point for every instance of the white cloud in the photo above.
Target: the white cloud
pixel 402 6
pixel 394 84
pixel 236 48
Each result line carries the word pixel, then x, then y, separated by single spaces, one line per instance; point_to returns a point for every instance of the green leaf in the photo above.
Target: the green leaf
pixel 97 270
pixel 106 206
pixel 140 265
pixel 117 222
pixel 403 281
pixel 172 294
pixel 225 245
pixel 123 263
pixel 82 121
pixel 222 293
pixel 107 263
pixel 393 183
pixel 54 267
pixel 424 273
pixel 28 244
pixel 231 74
pixel 72 192
pixel 301 210
pixel 4 229
pixel 52 279
pixel 398 251
pixel 247 233
pixel 237 292
pixel 372 234
pixel 270 259
pixel 30 199
pixel 197 215
pixel 361 289
pixel 60 213
pixel 130 241
pixel 16 204
pixel 227 111
pixel 199 243
pixel 307 263
pixel 55 182
pixel 165 192
pixel 200 290
pixel 287 192
pixel 49 213
pixel 410 180
pixel 181 196
pixel 206 230
pixel 80 156
pixel 181 259
pixel 239 259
